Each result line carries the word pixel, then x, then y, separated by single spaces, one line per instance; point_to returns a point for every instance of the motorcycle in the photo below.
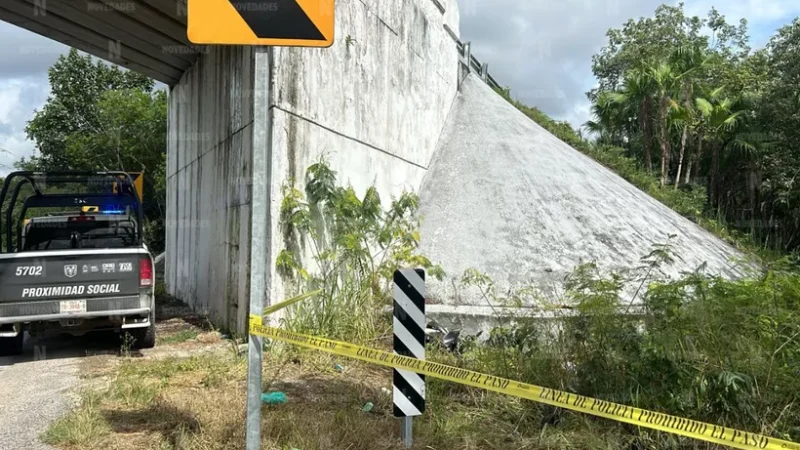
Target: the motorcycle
pixel 438 334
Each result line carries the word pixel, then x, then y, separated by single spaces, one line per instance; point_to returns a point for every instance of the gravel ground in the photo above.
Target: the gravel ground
pixel 37 388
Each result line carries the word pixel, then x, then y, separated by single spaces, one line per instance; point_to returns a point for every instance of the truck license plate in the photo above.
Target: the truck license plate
pixel 73 306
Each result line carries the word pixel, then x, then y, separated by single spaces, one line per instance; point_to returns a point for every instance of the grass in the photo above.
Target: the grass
pixel 199 403
pixel 739 371
pixel 158 404
pixel 714 350
pixel 80 427
pixel 177 338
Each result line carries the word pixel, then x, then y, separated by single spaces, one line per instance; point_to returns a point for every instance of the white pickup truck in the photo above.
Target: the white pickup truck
pixel 74 271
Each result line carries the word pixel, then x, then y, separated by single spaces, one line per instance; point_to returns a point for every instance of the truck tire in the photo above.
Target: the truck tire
pixel 145 337
pixel 13 345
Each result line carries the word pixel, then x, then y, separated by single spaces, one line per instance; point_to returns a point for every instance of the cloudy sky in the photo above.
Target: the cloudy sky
pixel 25 58
pixel 541 48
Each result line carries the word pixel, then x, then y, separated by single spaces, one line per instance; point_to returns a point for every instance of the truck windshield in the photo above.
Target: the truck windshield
pixel 89 232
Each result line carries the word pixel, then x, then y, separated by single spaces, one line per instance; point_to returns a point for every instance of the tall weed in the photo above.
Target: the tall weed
pixel 703 347
pixel 721 351
pixel 348 247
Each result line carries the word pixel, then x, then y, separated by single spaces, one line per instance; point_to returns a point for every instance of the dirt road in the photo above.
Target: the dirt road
pixel 42 384
pixel 38 387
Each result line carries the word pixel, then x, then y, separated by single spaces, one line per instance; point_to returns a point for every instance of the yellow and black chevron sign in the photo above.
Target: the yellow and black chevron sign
pixel 297 23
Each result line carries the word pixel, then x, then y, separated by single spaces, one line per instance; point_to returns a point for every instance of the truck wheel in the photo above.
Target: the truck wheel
pixel 12 346
pixel 145 337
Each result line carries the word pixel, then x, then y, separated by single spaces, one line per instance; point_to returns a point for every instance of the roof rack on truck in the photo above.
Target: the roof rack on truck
pixel 107 189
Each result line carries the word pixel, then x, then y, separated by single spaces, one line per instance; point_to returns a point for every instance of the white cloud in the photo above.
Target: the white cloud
pixel 13 148
pixel 23 87
pixel 543 49
pixel 18 99
pixel 10 100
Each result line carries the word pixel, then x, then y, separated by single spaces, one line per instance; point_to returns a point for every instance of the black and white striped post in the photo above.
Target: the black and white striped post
pixel 409 340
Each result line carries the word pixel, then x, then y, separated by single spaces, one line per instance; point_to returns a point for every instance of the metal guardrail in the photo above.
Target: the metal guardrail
pixel 474 65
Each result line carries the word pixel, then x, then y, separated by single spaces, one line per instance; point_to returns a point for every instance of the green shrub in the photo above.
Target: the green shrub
pixel 724 352
pixel 352 246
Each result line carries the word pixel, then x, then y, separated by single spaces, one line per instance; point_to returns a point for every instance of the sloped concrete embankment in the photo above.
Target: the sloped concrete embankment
pixel 508 198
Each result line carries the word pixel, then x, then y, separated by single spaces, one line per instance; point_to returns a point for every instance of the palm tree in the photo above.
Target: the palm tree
pixel 636 96
pixel 672 83
pixel 695 161
pixel 720 117
pixel 687 60
pixel 682 119
pixel 665 80
pixel 606 122
pixel 701 122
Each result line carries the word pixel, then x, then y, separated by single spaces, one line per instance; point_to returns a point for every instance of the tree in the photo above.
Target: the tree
pixel 99 117
pixel 695 162
pixel 607 121
pixel 643 42
pixel 721 116
pixel 779 113
pixel 783 96
pixel 637 94
pixel 76 83
pixel 688 61
pixel 665 80
pixel 683 120
pixel 731 114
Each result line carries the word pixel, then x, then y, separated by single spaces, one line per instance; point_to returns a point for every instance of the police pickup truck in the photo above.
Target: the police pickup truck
pixel 73 258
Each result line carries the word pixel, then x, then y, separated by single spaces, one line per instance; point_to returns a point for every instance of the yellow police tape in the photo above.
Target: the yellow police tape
pixel 621 413
pixel 286 303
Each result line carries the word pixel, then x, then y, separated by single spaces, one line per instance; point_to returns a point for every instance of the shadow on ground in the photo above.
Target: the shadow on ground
pixel 66 346
pixel 173 317
pixel 170 422
pixel 323 411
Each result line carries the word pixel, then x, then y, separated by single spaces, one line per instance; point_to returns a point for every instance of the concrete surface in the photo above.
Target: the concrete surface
pixel 209 171
pixel 506 197
pixel 374 103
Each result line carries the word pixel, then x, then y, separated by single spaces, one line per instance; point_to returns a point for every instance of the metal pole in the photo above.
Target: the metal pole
pixel 407 432
pixel 464 67
pixel 262 152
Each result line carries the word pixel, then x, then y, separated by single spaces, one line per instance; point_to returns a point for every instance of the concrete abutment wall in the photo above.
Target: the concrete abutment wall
pixel 374 104
pixel 209 178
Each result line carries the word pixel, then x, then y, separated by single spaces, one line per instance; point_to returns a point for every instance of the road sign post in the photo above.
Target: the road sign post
pixel 407 432
pixel 259 258
pixel 409 340
pixel 299 23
